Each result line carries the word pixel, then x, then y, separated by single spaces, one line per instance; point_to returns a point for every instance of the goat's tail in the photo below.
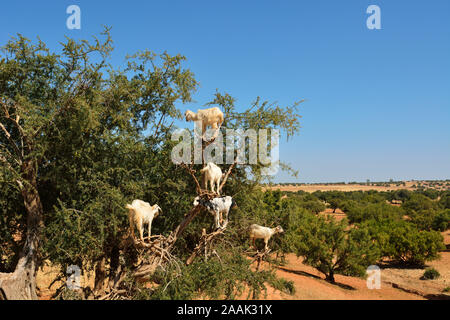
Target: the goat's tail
pixel 129 206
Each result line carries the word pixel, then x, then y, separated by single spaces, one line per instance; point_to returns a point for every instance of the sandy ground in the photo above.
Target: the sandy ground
pixel 338 214
pixel 409 279
pixel 310 285
pixel 409 185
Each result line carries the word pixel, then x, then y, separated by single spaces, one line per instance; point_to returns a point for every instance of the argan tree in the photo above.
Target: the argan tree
pixel 332 248
pixel 61 114
pixel 80 138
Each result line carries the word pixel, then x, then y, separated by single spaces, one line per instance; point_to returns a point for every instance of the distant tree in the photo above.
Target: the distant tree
pixel 361 211
pixel 334 204
pixel 418 202
pixel 441 221
pixel 401 195
pixel 332 248
pixel 314 206
pixel 403 242
pixel 445 201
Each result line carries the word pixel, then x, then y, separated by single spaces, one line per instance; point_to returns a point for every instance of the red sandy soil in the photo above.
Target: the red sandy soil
pixel 310 285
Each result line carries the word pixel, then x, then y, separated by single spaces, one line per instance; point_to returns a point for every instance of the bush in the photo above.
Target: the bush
pixel 431 274
pixel 284 285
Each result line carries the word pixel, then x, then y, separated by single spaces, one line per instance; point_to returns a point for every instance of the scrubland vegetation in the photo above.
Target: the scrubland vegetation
pixel 81 139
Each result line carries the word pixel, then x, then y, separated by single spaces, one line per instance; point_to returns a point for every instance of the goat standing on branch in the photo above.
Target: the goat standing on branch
pixel 260 232
pixel 140 212
pixel 213 175
pixel 211 117
pixel 217 207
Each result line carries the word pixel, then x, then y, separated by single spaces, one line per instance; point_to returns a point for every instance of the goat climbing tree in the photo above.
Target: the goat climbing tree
pixel 160 247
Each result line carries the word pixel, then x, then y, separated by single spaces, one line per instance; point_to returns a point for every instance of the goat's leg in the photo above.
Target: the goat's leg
pixel 149 230
pixel 215 127
pixel 217 185
pixel 216 219
pixel 131 227
pixel 226 215
pixel 221 218
pixel 141 230
pixel 265 242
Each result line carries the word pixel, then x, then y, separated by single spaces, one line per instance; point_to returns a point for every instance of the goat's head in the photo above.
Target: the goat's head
pixel 279 229
pixel 233 204
pixel 189 115
pixel 196 201
pixel 158 210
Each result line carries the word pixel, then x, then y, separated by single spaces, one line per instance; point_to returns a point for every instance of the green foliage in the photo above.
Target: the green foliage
pixel 432 194
pixel 418 203
pixel 400 195
pixel 283 285
pixel 361 211
pixel 228 278
pixel 331 247
pixel 403 242
pixel 445 201
pixel 313 206
pixel 12 225
pixel 441 221
pixel 431 274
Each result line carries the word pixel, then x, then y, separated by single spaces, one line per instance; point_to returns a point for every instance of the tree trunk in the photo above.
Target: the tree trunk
pixel 114 264
pixel 21 284
pixel 330 277
pixel 100 276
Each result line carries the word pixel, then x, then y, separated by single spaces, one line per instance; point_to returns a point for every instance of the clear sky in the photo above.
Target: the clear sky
pixel 377 101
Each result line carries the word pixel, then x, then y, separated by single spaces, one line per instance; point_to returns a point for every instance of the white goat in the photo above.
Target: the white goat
pixel 139 213
pixel 212 117
pixel 217 207
pixel 260 232
pixel 213 175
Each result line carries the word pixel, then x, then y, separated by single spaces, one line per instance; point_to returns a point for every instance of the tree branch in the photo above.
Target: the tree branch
pixel 227 174
pixel 11 141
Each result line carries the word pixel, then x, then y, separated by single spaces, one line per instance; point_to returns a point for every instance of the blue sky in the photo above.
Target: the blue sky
pixel 377 101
